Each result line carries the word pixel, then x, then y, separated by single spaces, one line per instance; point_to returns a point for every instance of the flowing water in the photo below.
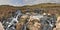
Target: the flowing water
pixel 11 22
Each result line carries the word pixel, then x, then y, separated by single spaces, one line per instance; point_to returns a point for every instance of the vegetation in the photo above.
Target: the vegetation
pixel 6 10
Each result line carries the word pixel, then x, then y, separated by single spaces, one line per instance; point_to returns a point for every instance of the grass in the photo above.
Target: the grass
pixel 52 8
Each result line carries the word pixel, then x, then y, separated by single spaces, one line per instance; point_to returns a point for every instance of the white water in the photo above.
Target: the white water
pixel 14 19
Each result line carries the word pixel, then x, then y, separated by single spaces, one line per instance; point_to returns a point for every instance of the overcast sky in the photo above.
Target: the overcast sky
pixel 26 2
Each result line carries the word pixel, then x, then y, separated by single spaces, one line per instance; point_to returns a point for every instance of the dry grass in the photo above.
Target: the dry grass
pixel 47 7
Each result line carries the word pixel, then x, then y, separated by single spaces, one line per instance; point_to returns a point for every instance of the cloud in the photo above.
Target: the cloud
pixel 31 2
pixel 4 2
pixel 26 2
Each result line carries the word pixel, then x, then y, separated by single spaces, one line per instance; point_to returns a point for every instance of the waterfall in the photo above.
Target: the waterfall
pixel 13 20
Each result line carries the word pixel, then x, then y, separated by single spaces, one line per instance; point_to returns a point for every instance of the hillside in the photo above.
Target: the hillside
pixel 47 7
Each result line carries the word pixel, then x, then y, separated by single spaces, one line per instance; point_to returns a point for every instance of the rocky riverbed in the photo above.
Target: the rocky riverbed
pixel 30 21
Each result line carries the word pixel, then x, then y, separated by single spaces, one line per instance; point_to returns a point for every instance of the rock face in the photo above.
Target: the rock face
pixel 36 22
pixel 21 23
pixel 58 23
pixel 1 26
pixel 33 24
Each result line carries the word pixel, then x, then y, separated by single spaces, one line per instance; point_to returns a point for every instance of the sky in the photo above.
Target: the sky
pixel 26 2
